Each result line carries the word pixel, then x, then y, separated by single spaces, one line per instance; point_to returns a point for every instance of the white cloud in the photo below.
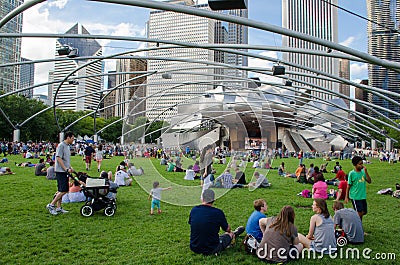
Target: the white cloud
pixel 259 63
pixel 348 42
pixel 58 3
pixel 42 48
pixel 358 71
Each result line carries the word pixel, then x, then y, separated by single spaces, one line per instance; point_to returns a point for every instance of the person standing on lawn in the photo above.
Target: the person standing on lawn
pixel 356 190
pixel 89 151
pixel 63 167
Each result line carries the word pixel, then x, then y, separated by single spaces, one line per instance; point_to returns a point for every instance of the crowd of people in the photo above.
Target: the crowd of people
pixel 271 233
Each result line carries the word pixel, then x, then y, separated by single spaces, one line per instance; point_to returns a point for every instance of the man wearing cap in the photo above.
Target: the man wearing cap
pixel 205 222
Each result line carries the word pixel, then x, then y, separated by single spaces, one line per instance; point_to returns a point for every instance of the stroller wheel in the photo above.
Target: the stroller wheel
pixel 109 211
pixel 87 210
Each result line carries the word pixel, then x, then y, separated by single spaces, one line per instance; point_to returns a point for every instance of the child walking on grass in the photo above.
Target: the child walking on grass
pixel 155 194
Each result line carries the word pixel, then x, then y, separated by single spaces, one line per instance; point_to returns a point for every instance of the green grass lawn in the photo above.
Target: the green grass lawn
pixel 30 235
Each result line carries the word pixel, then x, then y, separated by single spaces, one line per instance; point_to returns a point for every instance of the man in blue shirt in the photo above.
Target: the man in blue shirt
pixel 205 222
pixel 253 227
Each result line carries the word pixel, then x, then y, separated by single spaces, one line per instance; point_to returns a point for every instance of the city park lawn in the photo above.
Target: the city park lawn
pixel 30 235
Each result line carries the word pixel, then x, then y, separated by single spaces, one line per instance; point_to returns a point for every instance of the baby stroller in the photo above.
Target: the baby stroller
pixel 97 192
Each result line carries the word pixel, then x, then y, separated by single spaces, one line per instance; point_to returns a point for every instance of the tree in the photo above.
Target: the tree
pixel 154 131
pixel 18 109
pixel 112 133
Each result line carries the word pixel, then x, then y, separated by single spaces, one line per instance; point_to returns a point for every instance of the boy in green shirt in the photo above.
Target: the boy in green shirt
pixel 357 187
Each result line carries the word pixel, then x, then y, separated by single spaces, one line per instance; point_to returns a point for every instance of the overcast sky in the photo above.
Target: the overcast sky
pixel 110 19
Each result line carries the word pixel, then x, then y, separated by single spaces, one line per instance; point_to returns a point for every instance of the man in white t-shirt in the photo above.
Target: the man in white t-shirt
pixel 122 178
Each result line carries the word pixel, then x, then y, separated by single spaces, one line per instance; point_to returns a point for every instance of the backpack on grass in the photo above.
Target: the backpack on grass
pixel 250 244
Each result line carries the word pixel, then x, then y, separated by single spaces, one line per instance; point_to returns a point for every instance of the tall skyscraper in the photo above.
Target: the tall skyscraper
pixel 238 34
pixel 109 111
pixel 344 72
pixel 10 48
pixel 26 77
pixel 168 25
pixel 187 28
pixel 83 85
pixel 384 42
pixel 220 36
pixel 315 18
pixel 127 87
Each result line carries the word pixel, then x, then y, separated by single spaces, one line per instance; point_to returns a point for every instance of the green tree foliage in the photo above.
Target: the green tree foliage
pixel 44 127
pixel 113 132
pixel 18 109
pixel 154 131
pixel 392 133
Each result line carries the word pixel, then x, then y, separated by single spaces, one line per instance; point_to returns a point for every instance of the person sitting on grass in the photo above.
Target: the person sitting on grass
pixel 240 177
pixel 112 192
pixel 50 172
pixel 196 167
pixel 336 168
pixel 155 196
pixel 279 234
pixel 164 160
pixel 320 188
pixel 122 178
pixel 348 220
pixel 342 188
pixel 310 173
pixel 74 194
pixel 261 181
pixel 321 234
pixel 178 166
pixel 302 177
pixel 227 180
pixel 205 222
pixel 190 175
pixel 340 174
pixel 40 169
pixel 170 166
pixel 253 226
pixel 315 174
pixel 282 170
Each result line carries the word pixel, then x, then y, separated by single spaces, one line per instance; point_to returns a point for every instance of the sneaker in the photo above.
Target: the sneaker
pixel 51 209
pixel 159 211
pixel 61 210
pixel 238 231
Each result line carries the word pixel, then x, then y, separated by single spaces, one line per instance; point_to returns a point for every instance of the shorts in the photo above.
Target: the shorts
pixel 224 241
pixel 155 203
pixel 360 206
pixel 88 159
pixel 62 181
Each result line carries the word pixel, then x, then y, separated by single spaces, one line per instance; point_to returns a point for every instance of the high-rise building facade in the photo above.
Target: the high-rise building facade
pixel 130 85
pixel 26 78
pixel 315 18
pixel 238 34
pixel 384 42
pixel 83 90
pixel 344 72
pixel 168 25
pixel 220 36
pixel 10 48
pixel 109 102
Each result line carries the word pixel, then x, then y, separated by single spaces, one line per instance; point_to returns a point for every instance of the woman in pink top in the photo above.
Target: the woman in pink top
pixel 320 188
